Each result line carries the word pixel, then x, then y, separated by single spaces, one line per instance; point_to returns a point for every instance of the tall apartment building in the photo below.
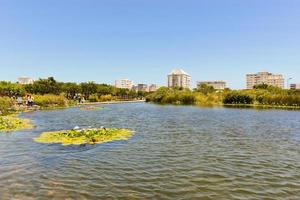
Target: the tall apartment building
pixel 295 86
pixel 218 85
pixel 179 78
pixel 142 87
pixel 153 88
pixel 25 80
pixel 124 83
pixel 264 78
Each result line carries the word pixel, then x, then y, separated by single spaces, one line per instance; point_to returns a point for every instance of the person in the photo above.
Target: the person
pixel 82 100
pixel 31 100
pixel 27 100
pixel 19 101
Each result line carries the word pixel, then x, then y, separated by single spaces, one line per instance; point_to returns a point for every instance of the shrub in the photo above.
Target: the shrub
pixel 237 98
pixel 50 100
pixel 5 104
pixel 93 98
pixel 107 97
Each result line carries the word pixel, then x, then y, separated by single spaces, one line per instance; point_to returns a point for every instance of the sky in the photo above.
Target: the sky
pixel 143 40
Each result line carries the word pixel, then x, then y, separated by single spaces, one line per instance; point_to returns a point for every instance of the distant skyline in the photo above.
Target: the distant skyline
pixel 143 40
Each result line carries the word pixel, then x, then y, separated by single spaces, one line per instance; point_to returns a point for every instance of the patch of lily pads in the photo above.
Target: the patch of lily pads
pixel 84 136
pixel 89 108
pixel 12 123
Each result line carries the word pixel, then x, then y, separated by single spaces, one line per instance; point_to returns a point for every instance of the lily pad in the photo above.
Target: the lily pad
pixel 84 136
pixel 91 108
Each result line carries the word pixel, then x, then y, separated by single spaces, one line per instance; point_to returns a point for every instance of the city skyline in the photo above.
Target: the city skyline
pixel 104 41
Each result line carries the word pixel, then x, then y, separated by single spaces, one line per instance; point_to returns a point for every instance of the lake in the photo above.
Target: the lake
pixel 177 152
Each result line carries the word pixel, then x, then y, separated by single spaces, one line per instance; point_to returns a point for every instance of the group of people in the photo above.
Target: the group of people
pixel 79 98
pixel 29 100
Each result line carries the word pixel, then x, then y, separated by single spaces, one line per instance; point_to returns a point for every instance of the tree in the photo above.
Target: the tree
pixel 44 86
pixel 11 89
pixel 205 89
pixel 88 88
pixel 70 89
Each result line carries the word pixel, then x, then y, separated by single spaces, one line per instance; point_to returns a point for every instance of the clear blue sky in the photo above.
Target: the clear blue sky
pixel 104 40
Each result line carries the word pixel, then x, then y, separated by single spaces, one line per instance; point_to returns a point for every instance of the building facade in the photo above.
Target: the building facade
pixel 179 78
pixel 142 87
pixel 264 78
pixel 25 80
pixel 295 86
pixel 218 85
pixel 124 83
pixel 153 87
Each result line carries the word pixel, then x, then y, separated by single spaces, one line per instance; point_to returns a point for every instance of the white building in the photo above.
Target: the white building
pixel 295 86
pixel 264 78
pixel 179 78
pixel 124 83
pixel 218 85
pixel 25 80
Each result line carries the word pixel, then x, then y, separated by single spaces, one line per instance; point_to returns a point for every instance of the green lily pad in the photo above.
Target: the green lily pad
pixel 84 136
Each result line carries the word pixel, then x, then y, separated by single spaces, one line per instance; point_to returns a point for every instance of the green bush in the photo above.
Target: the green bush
pixel 5 105
pixel 50 100
pixel 237 98
pixel 93 98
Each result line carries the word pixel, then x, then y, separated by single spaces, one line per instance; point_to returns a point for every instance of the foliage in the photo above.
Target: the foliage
pixel 50 100
pixel 205 89
pixel 172 96
pixel 70 89
pixel 93 98
pixel 107 97
pixel 84 136
pixel 88 88
pixel 11 89
pixel 237 98
pixel 5 105
pixel 263 95
pixel 11 123
pixel 44 86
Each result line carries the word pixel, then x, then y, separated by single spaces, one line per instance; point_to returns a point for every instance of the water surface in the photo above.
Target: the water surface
pixel 177 152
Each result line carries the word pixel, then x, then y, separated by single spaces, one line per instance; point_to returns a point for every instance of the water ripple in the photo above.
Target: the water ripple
pixel 177 153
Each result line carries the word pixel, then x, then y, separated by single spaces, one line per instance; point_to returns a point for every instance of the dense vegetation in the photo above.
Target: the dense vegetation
pixel 261 95
pixel 69 90
pixel 84 136
pixel 51 93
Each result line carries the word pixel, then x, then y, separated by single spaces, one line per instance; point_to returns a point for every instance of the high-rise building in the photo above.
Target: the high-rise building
pixel 25 80
pixel 124 83
pixel 295 86
pixel 264 78
pixel 153 88
pixel 179 78
pixel 218 85
pixel 142 87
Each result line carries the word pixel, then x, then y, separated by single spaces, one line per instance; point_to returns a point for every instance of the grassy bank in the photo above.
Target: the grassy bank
pixel 264 96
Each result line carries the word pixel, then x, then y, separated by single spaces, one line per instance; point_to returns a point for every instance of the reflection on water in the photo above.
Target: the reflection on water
pixel 177 152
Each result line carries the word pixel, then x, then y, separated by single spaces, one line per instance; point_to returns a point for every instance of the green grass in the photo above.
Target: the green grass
pixel 88 136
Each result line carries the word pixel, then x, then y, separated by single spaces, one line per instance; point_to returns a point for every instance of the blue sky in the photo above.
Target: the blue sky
pixel 104 40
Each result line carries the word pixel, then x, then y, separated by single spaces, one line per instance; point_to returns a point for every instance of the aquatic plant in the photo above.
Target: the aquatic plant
pixel 91 108
pixel 12 123
pixel 84 136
